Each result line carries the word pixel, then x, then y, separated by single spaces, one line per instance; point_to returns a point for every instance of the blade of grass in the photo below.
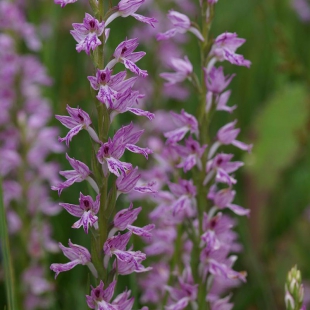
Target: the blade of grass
pixel 7 261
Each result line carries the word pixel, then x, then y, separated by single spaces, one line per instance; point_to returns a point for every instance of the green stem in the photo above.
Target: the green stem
pixel 7 259
pixel 203 124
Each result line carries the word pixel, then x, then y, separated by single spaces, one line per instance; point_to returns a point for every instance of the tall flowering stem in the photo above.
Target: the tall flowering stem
pixel 191 212
pixel 26 141
pixel 109 176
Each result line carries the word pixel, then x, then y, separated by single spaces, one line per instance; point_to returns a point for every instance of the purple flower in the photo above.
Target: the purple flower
pixel 111 151
pixel 126 217
pixel 9 161
pixel 144 231
pixel 100 298
pixel 221 167
pixel 63 3
pixel 125 101
pixel 154 283
pixel 127 182
pixel 186 292
pixel 118 242
pixel 80 173
pixel 181 24
pixel 190 154
pixel 123 220
pixel 36 283
pixel 87 34
pixel 110 85
pixel 220 101
pixel 163 241
pixel 222 304
pixel 214 258
pixel 77 121
pixel 185 202
pixel 86 210
pixel 127 261
pixel 183 69
pixel 224 48
pixel 224 198
pixel 228 134
pixel 124 54
pixel 221 269
pixel 131 262
pixel 127 8
pixel 215 80
pixel 185 122
pixel 78 255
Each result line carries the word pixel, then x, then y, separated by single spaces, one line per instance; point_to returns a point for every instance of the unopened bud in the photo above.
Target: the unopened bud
pixel 294 290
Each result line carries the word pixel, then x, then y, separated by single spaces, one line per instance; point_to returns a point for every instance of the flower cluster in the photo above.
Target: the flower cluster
pixel 26 141
pixel 191 213
pixel 115 95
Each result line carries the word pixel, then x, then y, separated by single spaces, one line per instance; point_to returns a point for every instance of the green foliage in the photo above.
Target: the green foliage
pixel 6 256
pixel 277 128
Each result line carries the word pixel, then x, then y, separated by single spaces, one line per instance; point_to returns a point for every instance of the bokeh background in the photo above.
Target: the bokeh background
pixel 273 99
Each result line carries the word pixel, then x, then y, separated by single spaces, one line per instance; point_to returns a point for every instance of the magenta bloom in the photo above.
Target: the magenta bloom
pixel 126 217
pixel 125 102
pixel 110 85
pixel 154 283
pixel 183 68
pixel 78 256
pixel 215 259
pixel 215 80
pixel 123 220
pixel 186 123
pixel 80 173
pixel 100 298
pixel 63 3
pixel 124 54
pixel 132 263
pixel 86 210
pixel 87 33
pixel 228 134
pixel 111 151
pixel 77 121
pixel 224 48
pixel 181 24
pixel 190 154
pixel 222 303
pixel 220 101
pixel 127 261
pixel 127 8
pixel 224 198
pixel 127 182
pixel 220 167
pixel 186 292
pixel 185 202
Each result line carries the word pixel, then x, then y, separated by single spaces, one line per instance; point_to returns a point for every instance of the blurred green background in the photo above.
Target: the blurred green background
pixel 273 99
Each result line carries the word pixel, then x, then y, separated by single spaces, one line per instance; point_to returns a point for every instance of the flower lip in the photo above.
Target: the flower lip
pixel 92 24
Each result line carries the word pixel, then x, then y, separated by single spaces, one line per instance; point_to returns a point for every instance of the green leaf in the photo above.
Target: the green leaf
pixel 7 260
pixel 277 128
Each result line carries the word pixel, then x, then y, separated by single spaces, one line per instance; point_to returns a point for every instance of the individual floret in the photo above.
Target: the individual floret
pixel 86 210
pixel 78 255
pixel 181 24
pixel 87 33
